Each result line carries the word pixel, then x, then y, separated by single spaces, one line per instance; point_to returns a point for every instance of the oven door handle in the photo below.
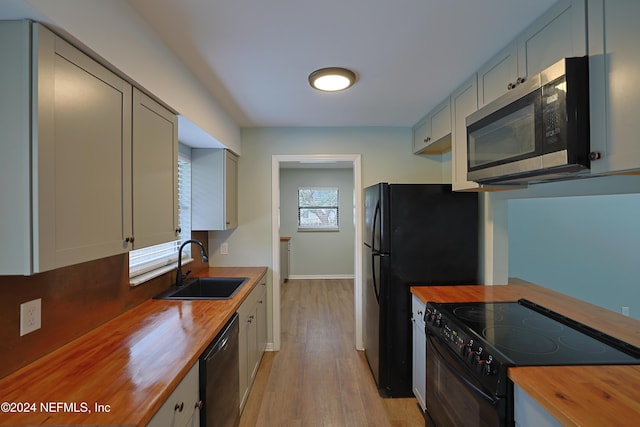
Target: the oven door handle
pixel 492 399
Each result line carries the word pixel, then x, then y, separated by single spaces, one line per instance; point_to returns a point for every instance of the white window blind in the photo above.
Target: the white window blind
pixel 318 208
pixel 146 263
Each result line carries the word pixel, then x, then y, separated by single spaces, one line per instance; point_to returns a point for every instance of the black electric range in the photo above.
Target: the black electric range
pixel 487 338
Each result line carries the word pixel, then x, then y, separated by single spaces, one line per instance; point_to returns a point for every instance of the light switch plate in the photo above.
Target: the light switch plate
pixel 30 316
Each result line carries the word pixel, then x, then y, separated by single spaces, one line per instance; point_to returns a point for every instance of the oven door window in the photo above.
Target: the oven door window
pixel 454 398
pixel 507 135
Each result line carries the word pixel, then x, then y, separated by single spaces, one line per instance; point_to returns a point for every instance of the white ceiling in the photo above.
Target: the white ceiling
pixel 255 55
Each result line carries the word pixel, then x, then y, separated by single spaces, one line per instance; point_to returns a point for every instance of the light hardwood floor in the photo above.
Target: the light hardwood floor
pixel 318 378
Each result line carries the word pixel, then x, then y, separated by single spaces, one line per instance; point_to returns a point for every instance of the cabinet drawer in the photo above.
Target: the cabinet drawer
pixel 180 407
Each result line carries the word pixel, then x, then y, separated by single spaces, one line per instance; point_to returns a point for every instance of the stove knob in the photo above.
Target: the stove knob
pixel 468 352
pixel 488 367
pixel 438 321
pixel 466 348
pixel 477 358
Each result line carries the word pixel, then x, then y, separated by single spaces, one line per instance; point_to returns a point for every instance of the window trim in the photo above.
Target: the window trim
pixel 308 228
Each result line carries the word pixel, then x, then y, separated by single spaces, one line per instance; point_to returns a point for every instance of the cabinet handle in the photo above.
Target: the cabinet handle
pixel 179 407
pixel 259 301
pixel 199 405
pixel 427 139
pixel 129 239
pixel 511 86
pixel 595 155
pixel 520 80
pixel 178 230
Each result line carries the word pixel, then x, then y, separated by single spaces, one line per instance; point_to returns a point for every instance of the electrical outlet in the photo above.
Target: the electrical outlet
pixel 625 311
pixel 224 248
pixel 30 316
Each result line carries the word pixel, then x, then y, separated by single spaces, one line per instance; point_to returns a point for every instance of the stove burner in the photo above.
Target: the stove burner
pixel 521 340
pixel 542 324
pixel 477 314
pixel 583 344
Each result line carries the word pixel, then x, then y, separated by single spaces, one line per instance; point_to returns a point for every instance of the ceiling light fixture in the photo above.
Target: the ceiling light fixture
pixel 332 79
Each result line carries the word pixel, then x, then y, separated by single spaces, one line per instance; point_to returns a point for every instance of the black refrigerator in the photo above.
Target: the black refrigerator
pixel 414 234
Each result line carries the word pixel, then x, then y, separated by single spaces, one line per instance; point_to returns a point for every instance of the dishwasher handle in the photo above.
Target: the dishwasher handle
pixel 219 344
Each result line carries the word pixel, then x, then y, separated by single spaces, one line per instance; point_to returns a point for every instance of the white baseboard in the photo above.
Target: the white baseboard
pixel 322 276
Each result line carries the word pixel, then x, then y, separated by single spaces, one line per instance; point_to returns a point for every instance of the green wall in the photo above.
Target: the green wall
pixel 318 253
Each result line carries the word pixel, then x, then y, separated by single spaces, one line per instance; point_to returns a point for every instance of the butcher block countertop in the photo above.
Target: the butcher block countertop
pixel 575 395
pixel 130 365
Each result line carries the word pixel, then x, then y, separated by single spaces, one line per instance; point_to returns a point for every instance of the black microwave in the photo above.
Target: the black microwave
pixel 536 132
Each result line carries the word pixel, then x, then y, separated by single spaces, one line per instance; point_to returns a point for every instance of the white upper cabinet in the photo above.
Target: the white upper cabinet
pixel 614 84
pixel 155 172
pixel 432 134
pixel 214 181
pixel 65 127
pixel 498 75
pixel 73 133
pixel 560 32
pixel 464 101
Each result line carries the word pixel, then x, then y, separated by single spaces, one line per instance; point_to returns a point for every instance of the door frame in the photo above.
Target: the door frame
pixel 355 159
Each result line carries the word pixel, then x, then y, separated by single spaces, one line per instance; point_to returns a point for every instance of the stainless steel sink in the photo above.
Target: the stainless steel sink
pixel 205 288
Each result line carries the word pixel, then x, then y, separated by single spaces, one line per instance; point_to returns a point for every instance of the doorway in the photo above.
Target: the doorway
pixel 327 161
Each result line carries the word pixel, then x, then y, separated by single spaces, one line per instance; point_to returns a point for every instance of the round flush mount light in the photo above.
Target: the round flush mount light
pixel 332 79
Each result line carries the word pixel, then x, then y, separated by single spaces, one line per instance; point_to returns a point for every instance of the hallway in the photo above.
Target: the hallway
pixel 318 378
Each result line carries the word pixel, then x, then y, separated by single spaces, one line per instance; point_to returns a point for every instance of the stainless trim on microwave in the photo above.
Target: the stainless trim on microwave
pixel 554 163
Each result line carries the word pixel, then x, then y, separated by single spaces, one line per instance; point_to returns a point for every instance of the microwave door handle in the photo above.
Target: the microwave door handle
pixel 458 375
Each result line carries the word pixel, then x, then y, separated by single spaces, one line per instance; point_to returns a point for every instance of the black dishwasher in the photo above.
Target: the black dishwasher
pixel 219 379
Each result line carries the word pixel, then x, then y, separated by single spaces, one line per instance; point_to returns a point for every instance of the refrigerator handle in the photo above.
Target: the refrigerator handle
pixel 373 228
pixel 376 291
pixel 373 275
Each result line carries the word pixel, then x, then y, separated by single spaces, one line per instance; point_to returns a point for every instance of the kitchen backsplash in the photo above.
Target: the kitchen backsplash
pixel 75 300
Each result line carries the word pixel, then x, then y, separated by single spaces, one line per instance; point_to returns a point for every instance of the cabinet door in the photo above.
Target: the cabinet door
pixel 464 101
pixel 214 178
pixel 261 320
pixel 561 32
pixel 181 409
pixel 432 135
pixel 155 172
pixel 419 352
pixel 496 75
pixel 528 412
pixel 82 145
pixel 421 133
pixel 231 190
pixel 614 85
pixel 441 121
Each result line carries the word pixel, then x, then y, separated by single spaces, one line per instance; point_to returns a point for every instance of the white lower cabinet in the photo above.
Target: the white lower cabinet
pixel 419 352
pixel 253 337
pixel 527 412
pixel 182 407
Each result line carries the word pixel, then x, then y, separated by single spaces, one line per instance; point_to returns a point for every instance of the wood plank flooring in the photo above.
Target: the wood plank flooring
pixel 318 378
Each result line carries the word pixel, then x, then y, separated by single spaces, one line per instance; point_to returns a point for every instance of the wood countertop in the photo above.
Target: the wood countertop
pixel 131 363
pixel 575 395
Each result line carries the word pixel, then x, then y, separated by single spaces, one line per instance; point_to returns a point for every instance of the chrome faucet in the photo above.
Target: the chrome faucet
pixel 205 257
